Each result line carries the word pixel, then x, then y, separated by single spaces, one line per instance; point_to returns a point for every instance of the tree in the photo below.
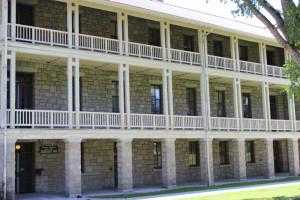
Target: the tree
pixel 286 31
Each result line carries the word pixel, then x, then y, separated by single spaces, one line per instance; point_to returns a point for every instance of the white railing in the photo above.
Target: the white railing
pixel 250 67
pixel 275 71
pixel 281 125
pixel 220 62
pixel 100 120
pixel 144 50
pixel 147 121
pixel 39 35
pixel 95 43
pixel 223 123
pixel 297 125
pixel 188 122
pixel 185 57
pixel 250 124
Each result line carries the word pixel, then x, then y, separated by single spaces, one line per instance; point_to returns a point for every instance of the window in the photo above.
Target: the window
pixel 270 57
pixel 154 36
pixel 188 42
pixel 244 53
pixel 221 104
pixel 82 157
pixel 73 92
pixel 157 155
pixel 194 154
pixel 273 107
pixel 224 153
pixel 218 48
pixel 156 107
pixel 246 105
pixel 250 152
pixel 191 101
pixel 114 29
pixel 24 15
pixel 115 96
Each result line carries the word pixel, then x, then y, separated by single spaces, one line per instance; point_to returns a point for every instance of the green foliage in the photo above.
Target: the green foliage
pixel 292 24
pixel 292 70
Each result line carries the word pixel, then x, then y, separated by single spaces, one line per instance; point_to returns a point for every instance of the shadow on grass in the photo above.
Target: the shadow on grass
pixel 275 198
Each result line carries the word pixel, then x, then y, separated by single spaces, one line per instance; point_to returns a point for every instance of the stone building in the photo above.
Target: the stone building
pixel 102 94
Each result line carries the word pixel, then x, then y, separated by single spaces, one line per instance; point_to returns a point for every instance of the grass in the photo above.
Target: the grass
pixel 277 193
pixel 192 189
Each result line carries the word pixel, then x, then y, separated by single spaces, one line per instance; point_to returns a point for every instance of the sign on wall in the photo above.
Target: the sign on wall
pixel 48 149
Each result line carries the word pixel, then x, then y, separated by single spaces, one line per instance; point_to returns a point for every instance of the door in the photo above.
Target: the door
pixel 24 167
pixel 273 107
pixel 276 156
pixel 116 163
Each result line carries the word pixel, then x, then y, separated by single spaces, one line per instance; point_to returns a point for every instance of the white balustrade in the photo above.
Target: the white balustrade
pixel 188 122
pixel 100 120
pixel 281 125
pixel 223 123
pixel 220 62
pixel 144 50
pixel 250 67
pixel 298 126
pixel 275 71
pixel 144 121
pixel 250 124
pixel 185 57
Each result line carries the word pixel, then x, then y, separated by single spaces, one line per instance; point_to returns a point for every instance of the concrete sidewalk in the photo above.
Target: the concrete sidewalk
pixel 38 196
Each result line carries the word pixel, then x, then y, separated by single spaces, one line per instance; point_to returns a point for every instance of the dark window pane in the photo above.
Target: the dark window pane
pixel 157 155
pixel 221 104
pixel 154 36
pixel 114 29
pixel 218 48
pixel 250 156
pixel 246 106
pixel 115 96
pixel 156 99
pixel 224 153
pixel 191 101
pixel 270 57
pixel 244 53
pixel 194 154
pixel 273 107
pixel 188 41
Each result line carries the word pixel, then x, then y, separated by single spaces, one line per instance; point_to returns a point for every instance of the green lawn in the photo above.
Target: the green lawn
pixel 192 189
pixel 277 193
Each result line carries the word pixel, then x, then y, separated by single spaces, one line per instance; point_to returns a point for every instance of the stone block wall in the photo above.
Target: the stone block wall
pixel 256 168
pixel 222 171
pixel 52 179
pixel 96 22
pixel 281 103
pixel 184 172
pixel 253 49
pixel 255 100
pixel 226 44
pixel 143 164
pixel 50 14
pixel 177 33
pixel 283 156
pixel 138 29
pixel 278 55
pixel 98 159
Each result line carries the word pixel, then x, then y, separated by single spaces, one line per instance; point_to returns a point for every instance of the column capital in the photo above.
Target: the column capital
pixel 73 140
pixel 11 141
pixel 169 140
pixel 125 140
pixel 239 140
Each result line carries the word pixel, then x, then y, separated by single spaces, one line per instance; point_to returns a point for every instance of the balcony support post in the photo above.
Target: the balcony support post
pixel 202 38
pixel 205 101
pixel 76 24
pixel 168 39
pixel 122 23
pixel 70 8
pixel 125 20
pixel 12 58
pixel 292 111
pixel 127 95
pixel 77 93
pixel 266 105
pixel 165 97
pixel 237 99
pixel 170 94
pixel 234 52
pixel 121 95
pixel 70 91
pixel 163 40
pixel 13 5
pixel 263 58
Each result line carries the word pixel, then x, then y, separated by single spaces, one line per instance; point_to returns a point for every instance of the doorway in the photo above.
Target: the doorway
pixel 276 150
pixel 273 107
pixel 116 164
pixel 24 167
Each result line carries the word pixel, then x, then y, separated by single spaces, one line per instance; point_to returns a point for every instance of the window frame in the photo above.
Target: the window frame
pixel 82 157
pixel 218 48
pixel 224 153
pixel 188 43
pixel 243 52
pixel 250 152
pixel 221 105
pixel 191 101
pixel 80 93
pixel 194 154
pixel 249 114
pixel 154 33
pixel 157 155
pixel 153 108
pixel 114 34
pixel 117 109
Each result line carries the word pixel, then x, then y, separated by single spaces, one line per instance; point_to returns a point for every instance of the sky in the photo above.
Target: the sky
pixel 221 9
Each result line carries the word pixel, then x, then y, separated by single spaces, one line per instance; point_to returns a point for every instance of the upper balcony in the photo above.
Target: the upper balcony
pixel 45 22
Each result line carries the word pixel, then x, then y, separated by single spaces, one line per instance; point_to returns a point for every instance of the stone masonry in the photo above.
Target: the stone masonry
pixel 278 55
pixel 225 41
pixel 253 49
pixel 177 34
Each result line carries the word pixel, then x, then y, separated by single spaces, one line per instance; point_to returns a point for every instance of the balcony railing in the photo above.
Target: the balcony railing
pixel 188 122
pixel 222 123
pixel 52 37
pixel 250 124
pixel 220 62
pixel 250 67
pixel 281 125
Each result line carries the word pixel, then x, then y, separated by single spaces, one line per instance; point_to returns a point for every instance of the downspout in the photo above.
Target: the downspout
pixel 4 92
pixel 205 107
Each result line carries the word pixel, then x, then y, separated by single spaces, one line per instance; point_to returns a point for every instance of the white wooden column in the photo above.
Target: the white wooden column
pixel 70 91
pixel 76 24
pixel 266 105
pixel 233 52
pixel 70 8
pixel 170 94
pixel 168 41
pixel 77 92
pixel 13 19
pixel 125 20
pixel 205 100
pixel 163 40
pixel 292 112
pixel 127 95
pixel 121 95
pixel 262 57
pixel 237 54
pixel 122 23
pixel 165 98
pixel 237 99
pixel 12 58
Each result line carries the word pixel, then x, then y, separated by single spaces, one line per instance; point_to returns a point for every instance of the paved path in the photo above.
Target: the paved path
pixel 36 196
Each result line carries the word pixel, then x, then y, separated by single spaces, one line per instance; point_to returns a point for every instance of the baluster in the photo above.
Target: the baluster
pixel 92 43
pixel 33 118
pixel 191 58
pixel 151 53
pixel 105 42
pixel 107 120
pixel 51 119
pixel 33 35
pixel 154 122
pixel 142 121
pixel 51 38
pixel 93 120
pixel 139 50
